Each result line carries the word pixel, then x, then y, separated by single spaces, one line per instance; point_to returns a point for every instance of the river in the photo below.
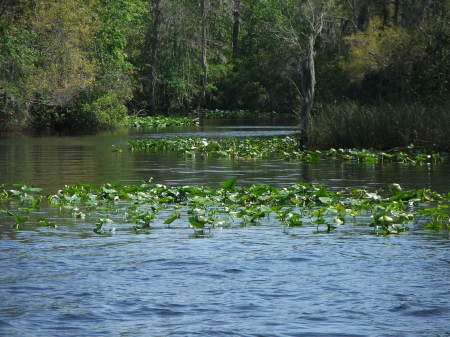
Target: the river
pixel 254 281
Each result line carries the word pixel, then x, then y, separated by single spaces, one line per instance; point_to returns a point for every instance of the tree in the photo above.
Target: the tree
pixel 314 13
pixel 301 26
pixel 236 27
pixel 204 47
pixel 155 42
pixel 64 36
pixel 84 74
pixel 119 38
pixel 17 57
pixel 117 45
pixel 80 60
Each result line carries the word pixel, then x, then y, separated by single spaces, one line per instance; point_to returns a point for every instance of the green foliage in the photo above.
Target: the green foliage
pixel 172 218
pixel 69 65
pixel 86 113
pixel 117 42
pixel 17 59
pixel 16 54
pixel 287 148
pixel 430 78
pixel 160 121
pixel 399 62
pixel 148 206
pixel 234 114
pixel 440 217
pixel 100 227
pixel 60 59
pixel 104 111
pixel 65 66
pixel 229 184
pixel 373 49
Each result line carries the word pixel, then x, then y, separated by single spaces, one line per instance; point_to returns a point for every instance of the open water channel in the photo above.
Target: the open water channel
pixel 255 281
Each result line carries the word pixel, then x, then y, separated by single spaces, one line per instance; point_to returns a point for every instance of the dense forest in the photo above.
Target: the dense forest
pixel 89 63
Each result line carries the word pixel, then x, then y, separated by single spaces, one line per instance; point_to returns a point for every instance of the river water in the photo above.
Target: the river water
pixel 255 281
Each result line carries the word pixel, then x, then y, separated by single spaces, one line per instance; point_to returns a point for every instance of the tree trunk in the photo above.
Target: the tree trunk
pixel 398 13
pixel 204 64
pixel 157 20
pixel 385 13
pixel 363 17
pixel 236 28
pixel 307 89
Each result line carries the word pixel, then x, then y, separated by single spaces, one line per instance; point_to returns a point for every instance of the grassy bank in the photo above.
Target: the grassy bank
pixel 350 125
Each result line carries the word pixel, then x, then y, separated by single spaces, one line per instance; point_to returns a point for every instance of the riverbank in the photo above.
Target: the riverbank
pixel 342 125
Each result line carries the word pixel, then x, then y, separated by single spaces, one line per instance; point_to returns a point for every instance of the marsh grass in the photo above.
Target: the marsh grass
pixel 383 127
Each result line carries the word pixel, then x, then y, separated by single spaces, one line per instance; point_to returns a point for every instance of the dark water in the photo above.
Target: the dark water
pixel 52 162
pixel 256 281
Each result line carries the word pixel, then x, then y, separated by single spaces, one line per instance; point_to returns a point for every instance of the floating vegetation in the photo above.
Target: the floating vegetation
pixel 238 114
pixel 245 148
pixel 147 206
pixel 160 121
pixel 287 148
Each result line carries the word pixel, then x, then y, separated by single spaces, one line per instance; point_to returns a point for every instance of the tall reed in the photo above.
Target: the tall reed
pixel 349 124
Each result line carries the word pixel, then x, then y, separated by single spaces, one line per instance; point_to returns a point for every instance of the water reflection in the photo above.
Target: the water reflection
pixel 52 162
pixel 260 280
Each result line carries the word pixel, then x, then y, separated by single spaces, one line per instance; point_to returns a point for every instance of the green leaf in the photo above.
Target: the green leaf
pixel 325 200
pixel 197 222
pixel 30 189
pixel 229 184
pixel 293 219
pixel 20 219
pixel 172 218
pixel 47 223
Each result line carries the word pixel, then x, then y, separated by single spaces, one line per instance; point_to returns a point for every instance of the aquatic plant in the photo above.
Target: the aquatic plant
pixel 160 121
pixel 237 114
pixel 172 218
pixel 287 148
pixel 100 226
pixel 46 223
pixel 149 205
pixel 439 215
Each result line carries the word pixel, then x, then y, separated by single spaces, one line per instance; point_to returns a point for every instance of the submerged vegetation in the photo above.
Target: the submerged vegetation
pixel 109 208
pixel 287 148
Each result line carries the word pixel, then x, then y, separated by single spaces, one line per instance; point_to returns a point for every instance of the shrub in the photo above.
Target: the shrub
pixel 104 111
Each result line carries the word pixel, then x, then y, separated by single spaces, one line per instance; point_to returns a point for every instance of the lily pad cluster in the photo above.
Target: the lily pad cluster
pixel 141 208
pixel 237 114
pixel 287 148
pixel 161 121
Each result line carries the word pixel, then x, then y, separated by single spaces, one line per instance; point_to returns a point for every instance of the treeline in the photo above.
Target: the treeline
pixel 85 63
